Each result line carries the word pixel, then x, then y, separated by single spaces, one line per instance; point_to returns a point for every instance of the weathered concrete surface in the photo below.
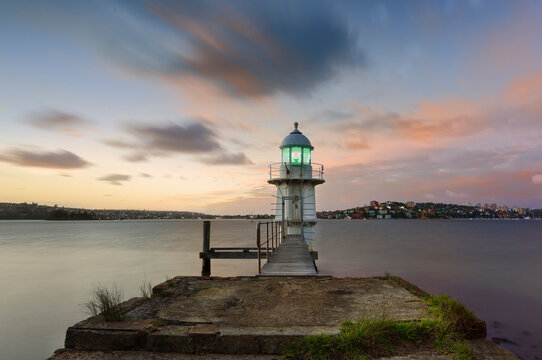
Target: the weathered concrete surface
pixel 483 350
pixel 248 315
pixel 68 354
pixel 290 302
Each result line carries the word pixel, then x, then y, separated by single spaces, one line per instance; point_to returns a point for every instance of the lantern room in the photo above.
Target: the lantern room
pixel 296 148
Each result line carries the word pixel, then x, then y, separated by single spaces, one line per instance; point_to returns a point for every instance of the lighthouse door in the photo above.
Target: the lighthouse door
pixel 292 216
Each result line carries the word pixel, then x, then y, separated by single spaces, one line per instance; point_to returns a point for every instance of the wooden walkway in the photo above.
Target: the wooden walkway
pixel 291 258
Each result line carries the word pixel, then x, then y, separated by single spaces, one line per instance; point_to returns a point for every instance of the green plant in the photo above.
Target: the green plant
pixel 443 307
pixel 145 289
pixel 105 302
pixel 445 330
pixel 454 322
pixel 362 339
pixel 387 276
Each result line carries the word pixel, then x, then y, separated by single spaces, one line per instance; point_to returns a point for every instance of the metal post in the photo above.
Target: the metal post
pixel 277 234
pixel 301 211
pixel 259 250
pixel 206 262
pixel 283 220
pixel 267 241
pixel 273 237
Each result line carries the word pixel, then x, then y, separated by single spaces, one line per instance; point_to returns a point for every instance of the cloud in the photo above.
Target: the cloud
pixel 245 48
pixel 225 158
pixel 55 120
pixel 115 179
pixel 191 137
pixel 145 175
pixel 332 115
pixel 357 145
pixel 61 159
pixel 119 144
pixel 509 176
pixel 517 109
pixel 418 126
pixel 136 157
pixel 261 48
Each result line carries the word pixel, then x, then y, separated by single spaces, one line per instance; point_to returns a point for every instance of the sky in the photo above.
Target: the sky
pixel 182 105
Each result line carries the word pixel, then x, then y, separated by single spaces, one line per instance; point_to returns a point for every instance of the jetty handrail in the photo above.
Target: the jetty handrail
pixel 275 171
pixel 273 236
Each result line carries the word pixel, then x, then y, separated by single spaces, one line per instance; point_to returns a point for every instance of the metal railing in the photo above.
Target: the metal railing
pixel 272 232
pixel 275 171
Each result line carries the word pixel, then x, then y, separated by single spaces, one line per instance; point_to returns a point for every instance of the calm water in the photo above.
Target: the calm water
pixel 47 269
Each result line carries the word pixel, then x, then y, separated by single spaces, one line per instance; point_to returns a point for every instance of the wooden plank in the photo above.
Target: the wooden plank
pixel 231 255
pixel 292 258
pixel 234 248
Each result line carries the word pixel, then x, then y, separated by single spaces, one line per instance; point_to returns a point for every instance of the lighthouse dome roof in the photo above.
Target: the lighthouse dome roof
pixel 296 137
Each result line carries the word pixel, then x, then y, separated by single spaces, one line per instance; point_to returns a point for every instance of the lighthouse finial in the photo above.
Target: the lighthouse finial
pixel 296 124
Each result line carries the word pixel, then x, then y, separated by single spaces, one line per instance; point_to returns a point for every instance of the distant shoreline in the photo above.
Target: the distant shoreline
pixel 379 211
pixel 256 220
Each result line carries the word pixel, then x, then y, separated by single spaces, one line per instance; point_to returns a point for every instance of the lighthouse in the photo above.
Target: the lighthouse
pixel 295 177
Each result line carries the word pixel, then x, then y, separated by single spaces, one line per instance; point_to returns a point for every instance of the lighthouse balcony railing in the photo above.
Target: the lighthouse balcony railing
pixel 277 171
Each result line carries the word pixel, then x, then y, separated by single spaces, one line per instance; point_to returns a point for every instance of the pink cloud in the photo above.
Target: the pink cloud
pixel 537 179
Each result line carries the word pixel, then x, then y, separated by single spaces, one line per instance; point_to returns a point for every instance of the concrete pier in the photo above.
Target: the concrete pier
pixel 247 317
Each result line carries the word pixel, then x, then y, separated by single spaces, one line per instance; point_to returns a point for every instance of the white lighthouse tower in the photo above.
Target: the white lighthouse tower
pixel 295 177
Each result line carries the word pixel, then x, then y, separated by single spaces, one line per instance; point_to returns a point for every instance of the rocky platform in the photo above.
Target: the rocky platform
pixel 248 318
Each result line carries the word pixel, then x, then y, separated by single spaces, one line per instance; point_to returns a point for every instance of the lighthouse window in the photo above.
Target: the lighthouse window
pixel 286 155
pixel 296 155
pixel 306 155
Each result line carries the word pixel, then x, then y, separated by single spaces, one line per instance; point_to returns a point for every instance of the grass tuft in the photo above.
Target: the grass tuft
pixel 105 302
pixel 445 308
pixel 445 330
pixel 145 289
pixel 360 340
pixel 453 324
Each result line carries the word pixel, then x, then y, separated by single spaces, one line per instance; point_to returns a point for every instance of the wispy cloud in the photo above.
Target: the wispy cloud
pixel 115 179
pixel 193 137
pixel 516 109
pixel 56 120
pixel 332 115
pixel 441 174
pixel 226 158
pixel 245 48
pixel 260 48
pixel 61 159
pixel 136 157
